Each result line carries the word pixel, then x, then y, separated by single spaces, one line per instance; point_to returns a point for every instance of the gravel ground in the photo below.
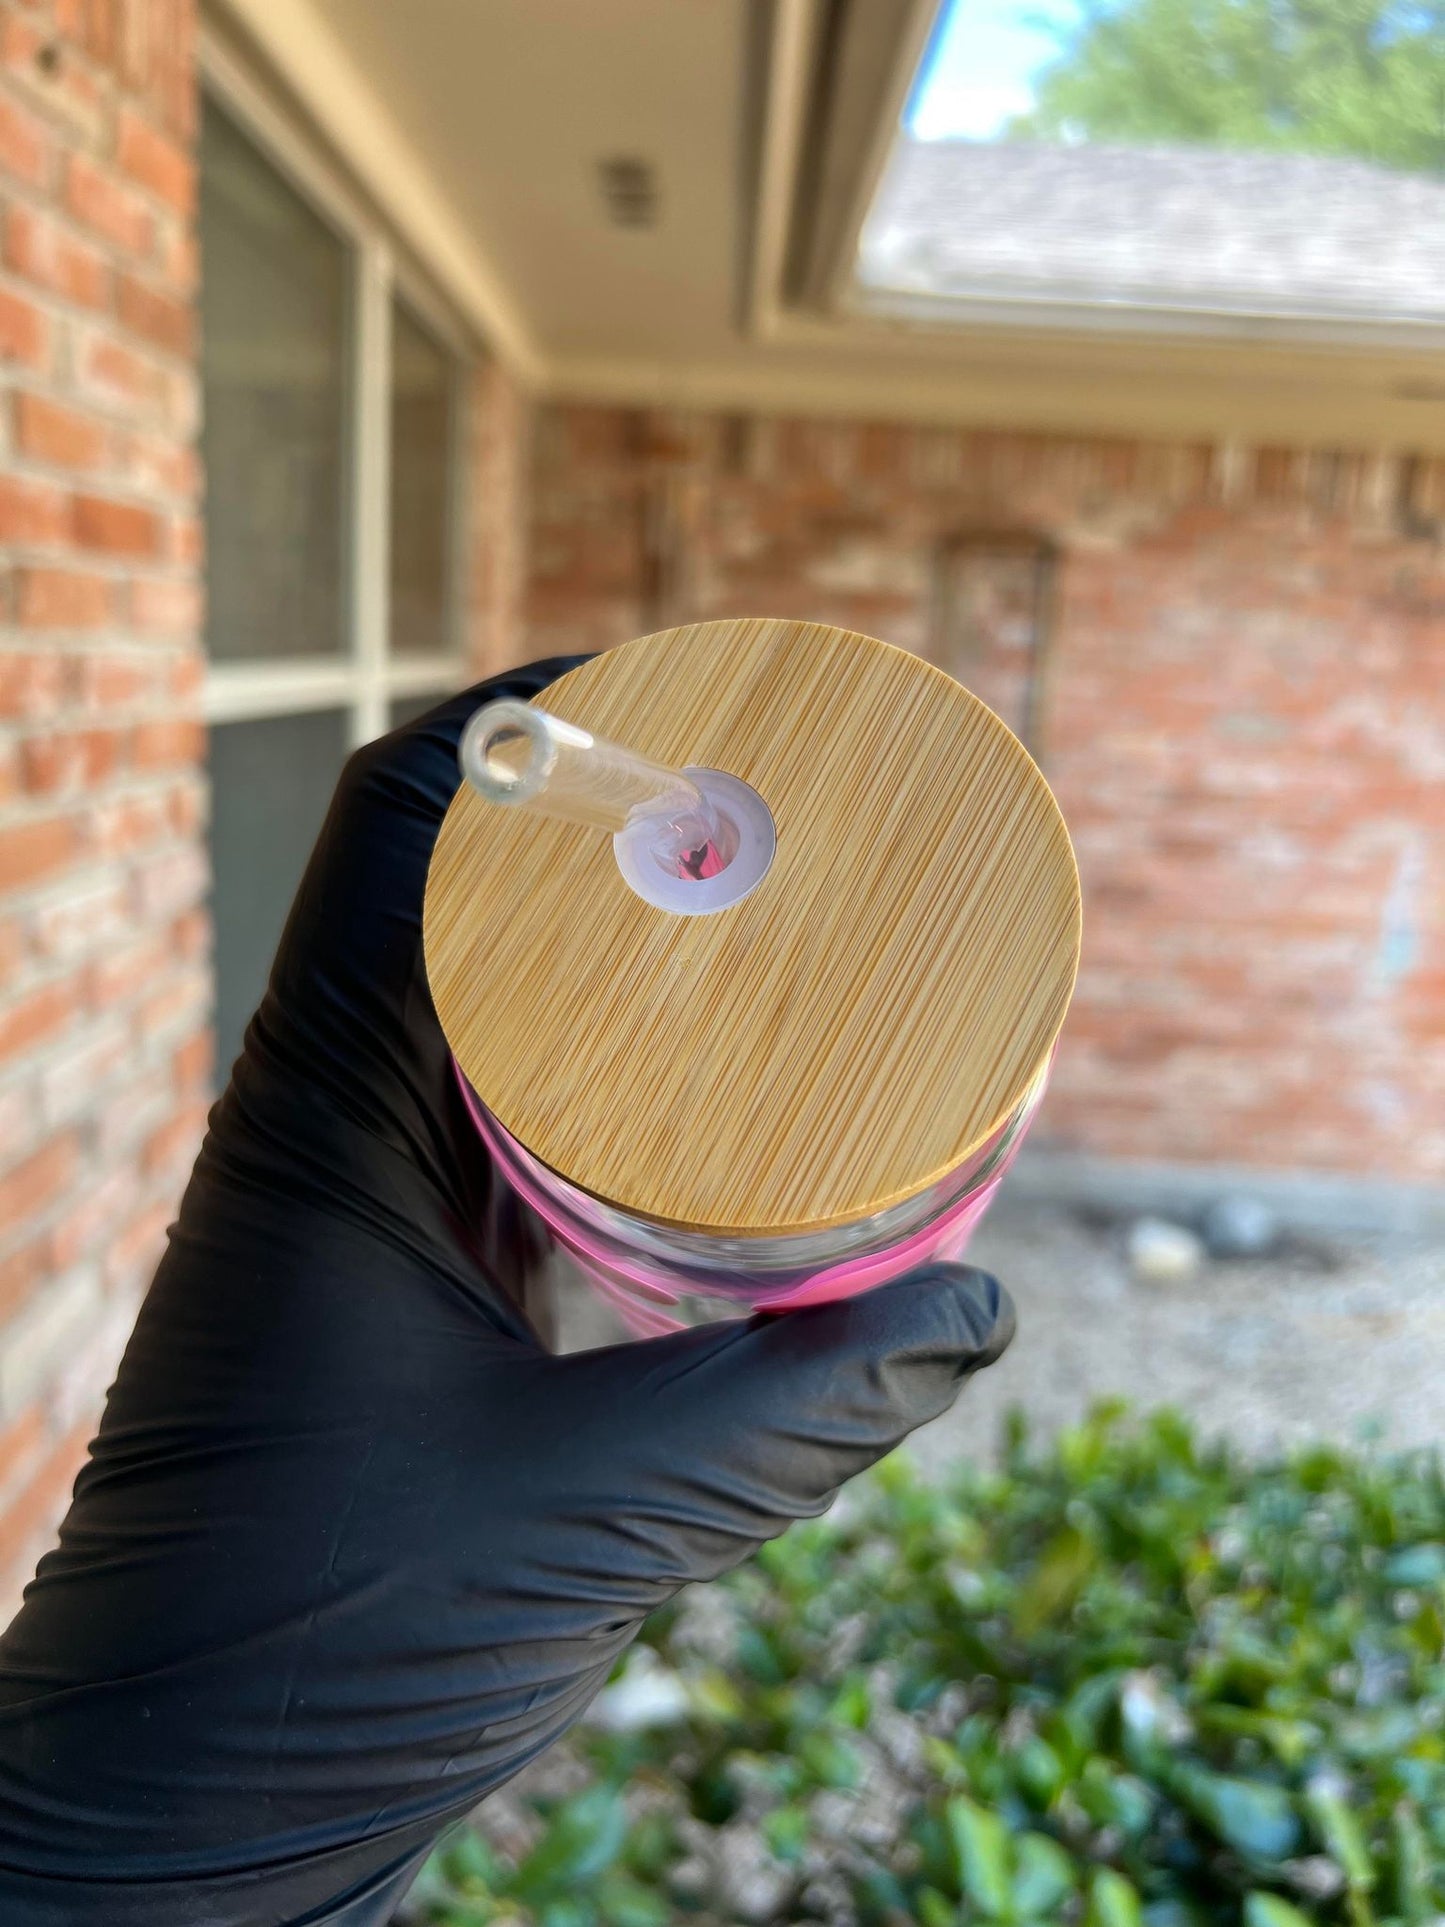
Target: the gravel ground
pixel 1326 1340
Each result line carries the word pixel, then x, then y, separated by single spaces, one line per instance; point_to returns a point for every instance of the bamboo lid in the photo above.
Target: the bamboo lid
pixel 836 1042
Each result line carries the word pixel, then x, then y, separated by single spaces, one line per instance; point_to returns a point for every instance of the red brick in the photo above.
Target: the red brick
pixel 107 206
pixel 165 606
pixel 171 882
pixel 116 528
pixel 24 331
pixel 123 825
pixel 158 164
pixel 51 75
pixel 82 918
pixel 191 934
pixel 172 1149
pixel 183 998
pixel 121 377
pixel 89 1064
pixel 140 1244
pixel 25 147
pixel 30 1188
pixel 17 1121
pixel 20 1273
pixel 179 260
pixel 157 317
pixel 30 851
pixel 33 512
pixel 160 465
pixel 167 744
pixel 187 544
pixel 106 683
pixel 101 38
pixel 36 1510
pixel 71 759
pixel 186 677
pixel 61 599
pixel 194 1061
pixel 21 1441
pixel 32 682
pixel 186 808
pixel 47 431
pixel 41 250
pixel 12 950
pixel 95 1217
pixel 123 973
pixel 28 1021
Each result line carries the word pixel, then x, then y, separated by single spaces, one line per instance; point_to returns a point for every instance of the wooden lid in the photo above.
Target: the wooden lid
pixel 842 1038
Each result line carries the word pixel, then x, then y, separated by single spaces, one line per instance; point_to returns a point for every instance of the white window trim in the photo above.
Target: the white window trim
pixel 366 678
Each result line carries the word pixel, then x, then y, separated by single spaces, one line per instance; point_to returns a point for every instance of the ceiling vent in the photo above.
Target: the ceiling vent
pixel 629 191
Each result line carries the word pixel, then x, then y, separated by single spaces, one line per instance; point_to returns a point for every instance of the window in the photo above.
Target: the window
pixel 423 414
pixel 1274 164
pixel 332 444
pixel 992 607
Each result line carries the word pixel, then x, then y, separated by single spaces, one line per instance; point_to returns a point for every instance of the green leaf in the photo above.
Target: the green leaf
pixel 1269 1910
pixel 981 1846
pixel 786 1831
pixel 1340 1831
pixel 830 1759
pixel 1176 1911
pixel 566 1912
pixel 713 1697
pixel 584 1837
pixel 1254 1817
pixel 1113 1901
pixel 759 1657
pixel 1055 1583
pixel 467 1857
pixel 1040 1771
pixel 1043 1875
pixel 934 1909
pixel 650 1845
pixel 1413 1883
pixel 1422 1565
pixel 625 1902
pixel 853 1703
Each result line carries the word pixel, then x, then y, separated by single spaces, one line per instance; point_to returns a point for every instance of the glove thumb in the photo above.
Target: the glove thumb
pixel 718 1438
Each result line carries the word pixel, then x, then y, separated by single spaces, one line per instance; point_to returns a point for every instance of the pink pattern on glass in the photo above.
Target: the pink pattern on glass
pixel 641 1291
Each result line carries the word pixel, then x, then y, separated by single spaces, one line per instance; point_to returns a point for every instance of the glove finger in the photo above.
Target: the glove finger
pixel 703 1444
pixel 344 1096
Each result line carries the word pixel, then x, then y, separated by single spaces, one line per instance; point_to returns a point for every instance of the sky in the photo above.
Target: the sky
pixel 978 70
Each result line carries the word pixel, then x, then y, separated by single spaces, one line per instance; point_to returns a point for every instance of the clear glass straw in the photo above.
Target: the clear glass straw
pixel 524 758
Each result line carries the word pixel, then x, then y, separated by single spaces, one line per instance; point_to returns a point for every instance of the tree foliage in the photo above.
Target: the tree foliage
pixel 1343 77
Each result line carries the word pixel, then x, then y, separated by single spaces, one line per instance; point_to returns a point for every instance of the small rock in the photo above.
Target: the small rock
pixel 1161 1253
pixel 1240 1227
pixel 646 1695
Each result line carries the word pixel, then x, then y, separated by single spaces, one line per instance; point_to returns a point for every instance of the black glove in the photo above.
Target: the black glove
pixel 351 1547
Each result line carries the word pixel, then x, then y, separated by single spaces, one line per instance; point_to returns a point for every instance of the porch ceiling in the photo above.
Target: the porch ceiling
pixel 506 108
pixel 515 103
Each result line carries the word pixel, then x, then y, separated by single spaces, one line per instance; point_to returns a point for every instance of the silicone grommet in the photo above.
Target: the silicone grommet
pixel 701 896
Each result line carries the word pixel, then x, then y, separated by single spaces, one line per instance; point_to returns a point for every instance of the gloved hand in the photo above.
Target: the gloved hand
pixel 351 1547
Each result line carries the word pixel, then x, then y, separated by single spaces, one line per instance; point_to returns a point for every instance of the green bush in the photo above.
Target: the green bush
pixel 1130 1679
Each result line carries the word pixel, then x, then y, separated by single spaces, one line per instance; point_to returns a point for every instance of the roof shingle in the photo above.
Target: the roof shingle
pixel 1157 227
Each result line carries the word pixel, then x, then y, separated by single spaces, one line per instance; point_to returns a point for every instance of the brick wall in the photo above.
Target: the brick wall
pixel 104 975
pixel 1240 700
pixel 498 460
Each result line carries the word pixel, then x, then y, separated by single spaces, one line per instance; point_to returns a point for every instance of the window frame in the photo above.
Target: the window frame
pixel 366 677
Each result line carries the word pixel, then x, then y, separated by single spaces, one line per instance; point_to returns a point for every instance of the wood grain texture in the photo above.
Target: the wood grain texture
pixel 840 1039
